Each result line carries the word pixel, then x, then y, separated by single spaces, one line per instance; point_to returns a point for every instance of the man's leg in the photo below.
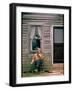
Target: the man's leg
pixel 37 65
pixel 41 65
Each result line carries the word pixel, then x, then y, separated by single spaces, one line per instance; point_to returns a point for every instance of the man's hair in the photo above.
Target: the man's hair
pixel 38 49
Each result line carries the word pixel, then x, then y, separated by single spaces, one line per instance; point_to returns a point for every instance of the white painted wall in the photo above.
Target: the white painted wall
pixel 4 44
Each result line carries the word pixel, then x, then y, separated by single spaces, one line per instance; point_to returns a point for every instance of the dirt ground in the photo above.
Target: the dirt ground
pixel 57 69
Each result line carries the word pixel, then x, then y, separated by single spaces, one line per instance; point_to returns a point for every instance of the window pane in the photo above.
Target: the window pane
pixel 35 44
pixel 58 36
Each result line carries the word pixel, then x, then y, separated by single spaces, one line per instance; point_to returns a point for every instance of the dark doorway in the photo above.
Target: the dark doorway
pixel 58 44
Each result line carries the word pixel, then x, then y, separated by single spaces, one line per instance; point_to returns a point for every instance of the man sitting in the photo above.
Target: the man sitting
pixel 37 61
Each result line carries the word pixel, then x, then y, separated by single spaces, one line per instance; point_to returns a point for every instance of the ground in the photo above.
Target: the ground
pixel 57 69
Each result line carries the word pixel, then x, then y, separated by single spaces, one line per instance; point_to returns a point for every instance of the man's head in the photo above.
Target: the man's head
pixel 39 50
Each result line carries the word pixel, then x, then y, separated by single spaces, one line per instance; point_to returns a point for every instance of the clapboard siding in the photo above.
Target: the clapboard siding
pixel 46 21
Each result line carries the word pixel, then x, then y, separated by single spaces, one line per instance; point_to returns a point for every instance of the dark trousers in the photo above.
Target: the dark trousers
pixel 38 65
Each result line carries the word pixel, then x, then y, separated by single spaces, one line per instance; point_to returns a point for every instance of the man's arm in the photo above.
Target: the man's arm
pixel 32 60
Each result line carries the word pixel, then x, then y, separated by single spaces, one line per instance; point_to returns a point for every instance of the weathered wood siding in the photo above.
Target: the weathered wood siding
pixel 46 21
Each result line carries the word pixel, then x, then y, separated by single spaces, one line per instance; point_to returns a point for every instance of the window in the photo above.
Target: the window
pixel 35 37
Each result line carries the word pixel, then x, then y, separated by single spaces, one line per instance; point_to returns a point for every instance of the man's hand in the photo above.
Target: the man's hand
pixel 31 63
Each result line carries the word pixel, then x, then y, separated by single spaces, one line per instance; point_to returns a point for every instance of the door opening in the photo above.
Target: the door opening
pixel 58 44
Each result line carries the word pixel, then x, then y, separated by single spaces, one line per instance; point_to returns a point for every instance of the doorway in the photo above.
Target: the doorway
pixel 58 44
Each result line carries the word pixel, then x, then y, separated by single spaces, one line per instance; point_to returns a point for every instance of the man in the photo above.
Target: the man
pixel 37 61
